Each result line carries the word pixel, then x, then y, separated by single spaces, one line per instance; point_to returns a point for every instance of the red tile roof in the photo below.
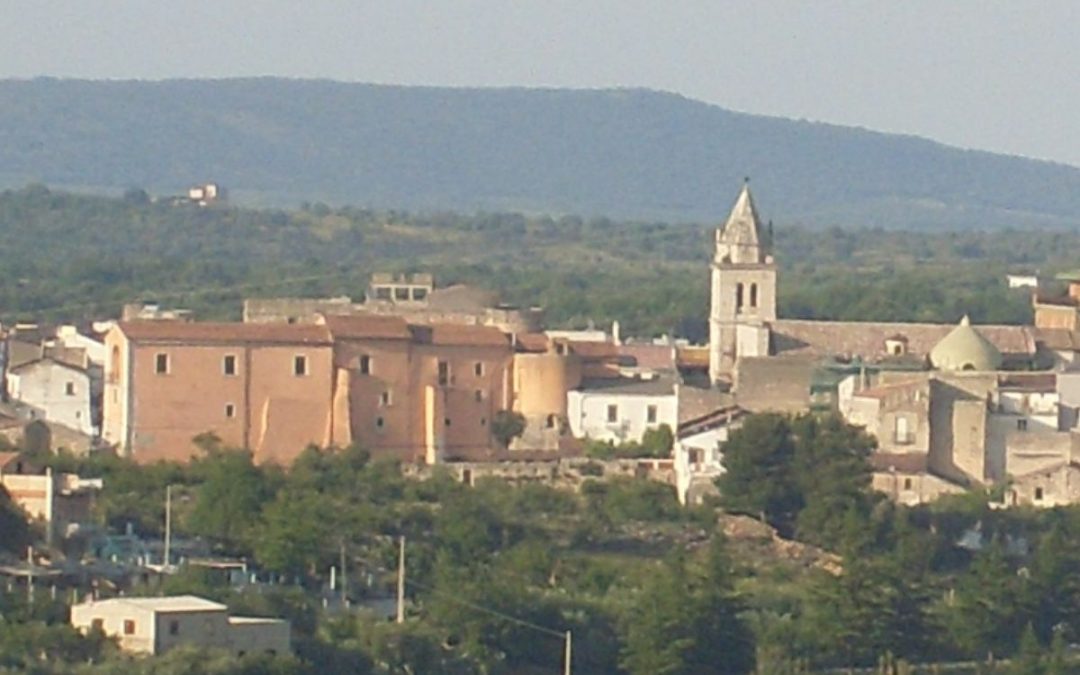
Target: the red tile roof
pixel 207 332
pixel 368 326
pixel 653 357
pixel 460 334
pixel 909 462
pixel 867 339
pixel 594 350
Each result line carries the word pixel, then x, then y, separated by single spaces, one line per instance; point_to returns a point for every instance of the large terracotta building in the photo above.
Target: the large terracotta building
pixel 425 393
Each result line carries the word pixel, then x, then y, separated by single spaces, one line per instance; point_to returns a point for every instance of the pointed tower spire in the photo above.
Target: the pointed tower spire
pixel 740 240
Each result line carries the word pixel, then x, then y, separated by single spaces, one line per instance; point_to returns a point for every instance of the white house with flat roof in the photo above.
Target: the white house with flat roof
pixel 156 625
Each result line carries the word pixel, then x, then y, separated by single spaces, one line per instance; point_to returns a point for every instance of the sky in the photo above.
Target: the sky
pixel 999 76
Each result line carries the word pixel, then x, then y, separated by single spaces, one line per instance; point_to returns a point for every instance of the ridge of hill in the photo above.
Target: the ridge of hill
pixel 624 153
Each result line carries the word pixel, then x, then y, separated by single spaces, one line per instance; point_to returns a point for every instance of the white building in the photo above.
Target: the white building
pixel 156 625
pixel 70 337
pixel 698 454
pixel 622 409
pixel 57 392
pixel 1022 280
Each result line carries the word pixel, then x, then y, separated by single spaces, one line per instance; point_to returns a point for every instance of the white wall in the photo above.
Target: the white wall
pixel 588 414
pixel 44 385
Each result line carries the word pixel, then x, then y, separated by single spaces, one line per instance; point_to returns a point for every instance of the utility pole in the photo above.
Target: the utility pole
pixel 30 576
pixel 168 525
pixel 344 578
pixel 566 665
pixel 401 581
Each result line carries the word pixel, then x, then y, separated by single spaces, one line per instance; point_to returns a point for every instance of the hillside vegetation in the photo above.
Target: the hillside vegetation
pixel 70 257
pixel 620 153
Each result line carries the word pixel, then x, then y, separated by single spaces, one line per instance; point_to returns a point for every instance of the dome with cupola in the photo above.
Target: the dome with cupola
pixel 965 348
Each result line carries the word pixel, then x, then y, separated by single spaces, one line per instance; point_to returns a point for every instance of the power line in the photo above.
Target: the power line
pixel 488 610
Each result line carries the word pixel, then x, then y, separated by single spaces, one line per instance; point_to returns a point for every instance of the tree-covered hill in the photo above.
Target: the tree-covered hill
pixel 65 256
pixel 619 153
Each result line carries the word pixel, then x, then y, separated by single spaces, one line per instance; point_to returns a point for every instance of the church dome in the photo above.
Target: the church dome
pixel 965 348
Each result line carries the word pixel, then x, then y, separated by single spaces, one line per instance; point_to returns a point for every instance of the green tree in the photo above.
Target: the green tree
pixel 295 533
pixel 759 479
pixel 686 620
pixel 507 425
pixel 986 613
pixel 229 497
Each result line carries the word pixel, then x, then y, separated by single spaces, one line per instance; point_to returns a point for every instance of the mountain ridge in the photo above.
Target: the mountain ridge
pixel 625 153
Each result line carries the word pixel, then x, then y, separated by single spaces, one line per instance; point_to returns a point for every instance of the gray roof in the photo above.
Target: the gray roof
pixel 658 386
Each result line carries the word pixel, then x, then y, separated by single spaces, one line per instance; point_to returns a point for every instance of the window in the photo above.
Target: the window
pixel 69 388
pixel 161 364
pixel 230 410
pixel 907 483
pixel 446 421
pixel 364 365
pixel 550 422
pixel 902 431
pixel 444 373
pixel 419 294
pixel 483 421
pixel 97 625
pixel 613 413
pixel 384 399
pixel 738 297
pixel 753 295
pixel 228 364
pixel 479 369
pixel 379 423
pixel 479 395
pixel 401 293
pixel 382 293
pixel 174 627
pixel 1038 494
pixel 129 627
pixel 1021 424
pixel 300 365
pixel 650 415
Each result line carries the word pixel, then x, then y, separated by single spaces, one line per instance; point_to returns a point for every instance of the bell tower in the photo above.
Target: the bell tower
pixel 743 288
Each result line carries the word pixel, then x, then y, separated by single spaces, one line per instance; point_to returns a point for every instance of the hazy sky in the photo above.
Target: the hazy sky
pixel 1001 76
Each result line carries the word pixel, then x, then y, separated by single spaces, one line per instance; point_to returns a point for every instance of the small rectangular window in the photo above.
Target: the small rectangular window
pixel 650 414
pixel 161 364
pixel 228 364
pixel 613 413
pixel 479 394
pixel 129 627
pixel 69 388
pixel 379 423
pixel 444 373
pixel 300 365
pixel 419 294
pixel 364 366
pixel 446 421
pixel 479 369
pixel 382 292
pixel 230 410
pixel 1038 494
pixel 401 293
pixel 384 399
pixel 174 627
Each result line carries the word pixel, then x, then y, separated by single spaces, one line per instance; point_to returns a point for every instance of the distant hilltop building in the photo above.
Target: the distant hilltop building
pixel 206 194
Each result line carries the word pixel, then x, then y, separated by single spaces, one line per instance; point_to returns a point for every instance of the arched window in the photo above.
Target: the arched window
pixel 753 295
pixel 738 297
